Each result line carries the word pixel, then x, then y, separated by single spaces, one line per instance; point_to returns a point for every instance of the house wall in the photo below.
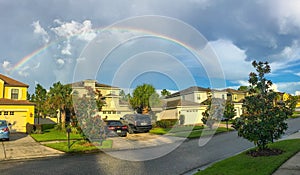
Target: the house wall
pixel 22 92
pixel 197 97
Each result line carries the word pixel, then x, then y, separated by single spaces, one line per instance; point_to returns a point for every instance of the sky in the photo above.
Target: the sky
pixel 171 44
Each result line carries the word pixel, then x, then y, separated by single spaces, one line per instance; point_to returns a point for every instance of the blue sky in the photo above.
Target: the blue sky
pixel 66 34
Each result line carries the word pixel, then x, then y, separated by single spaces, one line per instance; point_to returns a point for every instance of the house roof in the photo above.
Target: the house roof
pixel 81 84
pixel 4 101
pixel 11 82
pixel 188 91
pixel 179 102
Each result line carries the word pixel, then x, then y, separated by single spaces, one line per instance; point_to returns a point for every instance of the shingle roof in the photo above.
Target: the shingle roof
pixel 11 82
pixel 81 84
pixel 189 90
pixel 4 101
pixel 179 102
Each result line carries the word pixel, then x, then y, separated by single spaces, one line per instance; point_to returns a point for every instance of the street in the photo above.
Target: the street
pixel 186 157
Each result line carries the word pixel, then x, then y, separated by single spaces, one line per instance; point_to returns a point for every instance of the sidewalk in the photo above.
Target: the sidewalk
pixel 22 146
pixel 291 166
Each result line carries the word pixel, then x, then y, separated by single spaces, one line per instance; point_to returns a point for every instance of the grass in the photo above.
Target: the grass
pixel 53 134
pixel 186 131
pixel 245 164
pixel 80 146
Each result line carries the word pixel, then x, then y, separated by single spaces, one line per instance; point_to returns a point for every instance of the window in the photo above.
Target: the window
pixel 0 112
pixel 5 112
pixel 15 94
pixel 104 112
pixel 11 113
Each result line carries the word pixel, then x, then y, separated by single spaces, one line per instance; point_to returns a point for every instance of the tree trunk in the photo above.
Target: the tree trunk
pixel 63 119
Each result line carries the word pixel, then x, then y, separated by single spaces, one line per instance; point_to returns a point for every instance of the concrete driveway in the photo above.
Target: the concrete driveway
pixel 22 146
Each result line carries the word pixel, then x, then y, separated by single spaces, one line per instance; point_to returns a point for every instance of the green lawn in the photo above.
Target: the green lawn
pixel 245 164
pixel 80 146
pixel 53 134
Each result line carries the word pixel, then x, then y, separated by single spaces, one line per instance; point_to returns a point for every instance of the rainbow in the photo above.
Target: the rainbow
pixel 37 52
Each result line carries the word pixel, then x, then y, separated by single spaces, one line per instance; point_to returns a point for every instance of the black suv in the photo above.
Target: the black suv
pixel 137 122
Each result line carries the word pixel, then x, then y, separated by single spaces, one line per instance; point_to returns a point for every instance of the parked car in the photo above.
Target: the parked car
pixel 115 128
pixel 4 130
pixel 137 122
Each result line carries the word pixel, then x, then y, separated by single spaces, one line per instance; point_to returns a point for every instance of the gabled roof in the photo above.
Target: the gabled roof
pixel 11 82
pixel 179 102
pixel 188 91
pixel 4 101
pixel 81 84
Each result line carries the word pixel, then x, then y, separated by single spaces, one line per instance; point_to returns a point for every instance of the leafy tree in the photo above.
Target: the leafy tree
pixel 60 98
pixel 143 97
pixel 213 112
pixel 243 88
pixel 229 112
pixel 165 92
pixel 39 98
pixel 124 97
pixel 91 125
pixel 263 119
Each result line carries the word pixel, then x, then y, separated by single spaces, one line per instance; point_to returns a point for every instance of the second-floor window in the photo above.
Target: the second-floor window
pixel 15 94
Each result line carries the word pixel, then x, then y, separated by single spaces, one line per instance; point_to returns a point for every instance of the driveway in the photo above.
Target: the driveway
pixel 143 140
pixel 22 146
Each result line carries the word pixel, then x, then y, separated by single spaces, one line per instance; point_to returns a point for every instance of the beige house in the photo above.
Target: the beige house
pixel 113 109
pixel 191 111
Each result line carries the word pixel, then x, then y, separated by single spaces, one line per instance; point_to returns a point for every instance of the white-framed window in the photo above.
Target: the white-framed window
pixel 14 94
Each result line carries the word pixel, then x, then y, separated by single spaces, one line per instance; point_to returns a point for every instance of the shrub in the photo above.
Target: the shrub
pixel 166 123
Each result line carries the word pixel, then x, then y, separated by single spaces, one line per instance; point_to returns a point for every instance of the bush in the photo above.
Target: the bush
pixel 166 123
pixel 47 126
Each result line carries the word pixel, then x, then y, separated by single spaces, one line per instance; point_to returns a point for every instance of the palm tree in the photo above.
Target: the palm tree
pixel 142 98
pixel 59 97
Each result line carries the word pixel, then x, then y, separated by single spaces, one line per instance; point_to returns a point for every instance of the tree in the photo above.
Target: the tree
pixel 229 112
pixel 263 119
pixel 60 98
pixel 39 98
pixel 243 88
pixel 143 97
pixel 213 112
pixel 91 125
pixel 165 92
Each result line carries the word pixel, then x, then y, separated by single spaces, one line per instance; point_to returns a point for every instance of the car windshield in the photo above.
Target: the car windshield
pixel 114 123
pixel 142 117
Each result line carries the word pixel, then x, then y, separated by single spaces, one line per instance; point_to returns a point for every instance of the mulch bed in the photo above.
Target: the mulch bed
pixel 265 152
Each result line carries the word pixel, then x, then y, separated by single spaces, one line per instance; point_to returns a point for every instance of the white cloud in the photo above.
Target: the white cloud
pixel 24 71
pixel 67 49
pixel 60 62
pixel 6 65
pixel 232 59
pixel 287 14
pixel 39 30
pixel 82 31
pixel 290 54
pixel 289 87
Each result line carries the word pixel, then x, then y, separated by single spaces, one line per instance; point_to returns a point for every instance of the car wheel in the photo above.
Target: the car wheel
pixel 130 131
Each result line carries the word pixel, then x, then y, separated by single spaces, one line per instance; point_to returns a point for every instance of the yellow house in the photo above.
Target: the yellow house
pixel 14 106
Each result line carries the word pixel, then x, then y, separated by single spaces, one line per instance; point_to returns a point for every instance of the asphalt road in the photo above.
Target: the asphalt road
pixel 186 157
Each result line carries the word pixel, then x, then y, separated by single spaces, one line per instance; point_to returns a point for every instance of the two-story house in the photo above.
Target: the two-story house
pixel 188 103
pixel 14 106
pixel 112 109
